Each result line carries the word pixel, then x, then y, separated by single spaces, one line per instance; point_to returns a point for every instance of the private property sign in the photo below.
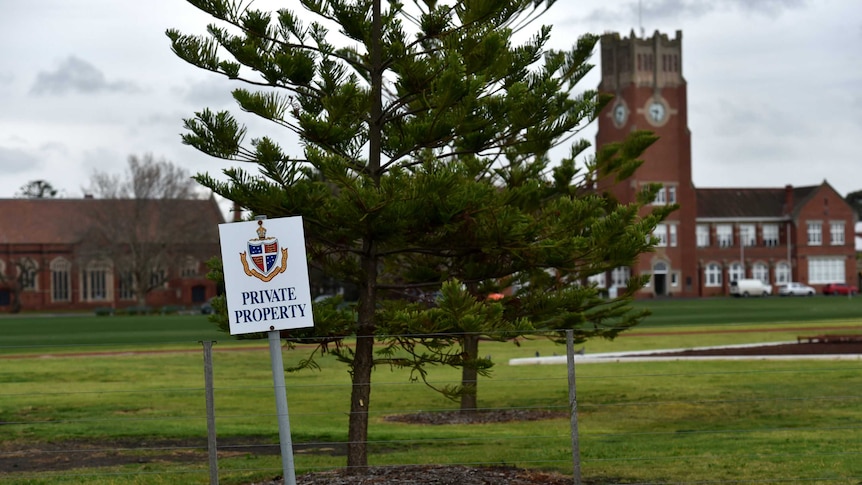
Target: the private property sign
pixel 265 275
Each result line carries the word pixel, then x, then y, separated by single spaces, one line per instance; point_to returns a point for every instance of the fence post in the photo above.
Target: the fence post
pixel 210 397
pixel 573 406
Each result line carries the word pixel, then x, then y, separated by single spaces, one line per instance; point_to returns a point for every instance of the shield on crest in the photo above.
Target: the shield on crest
pixel 264 253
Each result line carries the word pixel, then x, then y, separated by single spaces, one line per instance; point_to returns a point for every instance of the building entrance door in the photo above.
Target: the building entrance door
pixel 659 276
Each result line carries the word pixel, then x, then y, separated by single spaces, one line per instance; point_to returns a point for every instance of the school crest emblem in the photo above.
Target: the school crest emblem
pixel 264 259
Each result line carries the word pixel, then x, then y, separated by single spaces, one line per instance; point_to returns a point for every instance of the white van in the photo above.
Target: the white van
pixel 750 287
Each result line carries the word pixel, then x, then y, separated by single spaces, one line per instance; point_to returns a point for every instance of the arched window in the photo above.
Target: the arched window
pixel 761 272
pixel 782 273
pixel 735 273
pixel 713 274
pixel 61 280
pixel 96 281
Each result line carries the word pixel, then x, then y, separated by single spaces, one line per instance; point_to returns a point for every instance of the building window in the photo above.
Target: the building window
pixel 671 194
pixel 660 233
pixel 782 273
pixel 158 277
pixel 28 271
pixel 736 272
pixel 620 276
pixel 713 275
pixel 836 233
pixel 770 235
pixel 724 234
pixel 672 229
pixel 760 272
pixel 674 279
pixel 94 282
pixel 127 286
pixel 61 280
pixel 702 235
pixel 826 270
pixel 747 234
pixel 189 268
pixel 598 280
pixel 660 198
pixel 815 233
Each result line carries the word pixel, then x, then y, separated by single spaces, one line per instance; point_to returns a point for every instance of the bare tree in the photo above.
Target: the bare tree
pixel 150 228
pixel 37 189
pixel 22 277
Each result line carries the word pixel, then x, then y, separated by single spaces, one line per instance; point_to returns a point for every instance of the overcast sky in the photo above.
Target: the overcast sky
pixel 774 86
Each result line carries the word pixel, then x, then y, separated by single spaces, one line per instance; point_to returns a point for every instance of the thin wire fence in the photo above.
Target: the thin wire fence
pixel 141 418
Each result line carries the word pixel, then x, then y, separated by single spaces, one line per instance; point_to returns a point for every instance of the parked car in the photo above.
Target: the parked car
pixel 750 287
pixel 795 289
pixel 840 289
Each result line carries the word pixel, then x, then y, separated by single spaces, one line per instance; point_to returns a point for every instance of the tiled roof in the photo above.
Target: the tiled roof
pixel 64 221
pixel 749 203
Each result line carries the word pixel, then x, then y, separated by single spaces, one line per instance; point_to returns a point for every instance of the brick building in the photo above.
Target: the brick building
pixel 81 254
pixel 718 234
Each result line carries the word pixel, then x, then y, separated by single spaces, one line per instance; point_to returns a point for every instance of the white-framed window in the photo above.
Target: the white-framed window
pixel 660 198
pixel 836 233
pixel 782 273
pixel 673 239
pixel 598 280
pixel 724 234
pixel 747 234
pixel 95 281
pixel 660 233
pixel 713 274
pixel 671 194
pixel 674 279
pixel 826 270
pixel 815 233
pixel 770 235
pixel 620 276
pixel 735 272
pixel 760 272
pixel 702 235
pixel 61 280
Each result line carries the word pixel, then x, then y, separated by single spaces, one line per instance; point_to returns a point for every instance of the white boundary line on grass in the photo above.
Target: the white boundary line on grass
pixel 650 356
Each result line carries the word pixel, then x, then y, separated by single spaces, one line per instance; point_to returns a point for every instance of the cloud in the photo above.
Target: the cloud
pixel 18 161
pixel 77 75
pixel 653 11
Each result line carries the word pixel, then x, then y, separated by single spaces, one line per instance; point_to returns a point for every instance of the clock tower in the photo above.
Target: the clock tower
pixel 645 77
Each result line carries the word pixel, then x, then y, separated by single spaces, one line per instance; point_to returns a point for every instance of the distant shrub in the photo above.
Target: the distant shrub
pixel 103 311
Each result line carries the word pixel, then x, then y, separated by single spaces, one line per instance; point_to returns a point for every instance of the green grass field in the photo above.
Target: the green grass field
pixel 663 422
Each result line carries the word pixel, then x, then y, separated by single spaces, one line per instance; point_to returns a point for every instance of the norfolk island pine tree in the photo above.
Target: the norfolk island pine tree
pixel 425 160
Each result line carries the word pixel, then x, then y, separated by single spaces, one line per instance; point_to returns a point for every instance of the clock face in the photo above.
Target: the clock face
pixel 620 114
pixel 656 112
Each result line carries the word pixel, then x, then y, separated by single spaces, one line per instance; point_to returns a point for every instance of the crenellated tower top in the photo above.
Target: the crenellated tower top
pixel 654 61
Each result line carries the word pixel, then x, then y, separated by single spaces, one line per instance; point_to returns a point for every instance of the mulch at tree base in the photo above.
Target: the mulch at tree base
pixel 431 475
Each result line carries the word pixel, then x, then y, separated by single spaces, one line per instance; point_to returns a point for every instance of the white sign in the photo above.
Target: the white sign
pixel 265 275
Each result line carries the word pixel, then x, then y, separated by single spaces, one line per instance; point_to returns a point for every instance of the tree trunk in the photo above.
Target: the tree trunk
pixel 363 364
pixel 469 374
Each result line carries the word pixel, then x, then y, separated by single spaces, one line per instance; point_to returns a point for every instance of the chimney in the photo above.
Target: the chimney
pixel 788 199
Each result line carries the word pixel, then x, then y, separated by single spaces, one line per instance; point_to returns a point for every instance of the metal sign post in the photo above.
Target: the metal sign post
pixel 281 407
